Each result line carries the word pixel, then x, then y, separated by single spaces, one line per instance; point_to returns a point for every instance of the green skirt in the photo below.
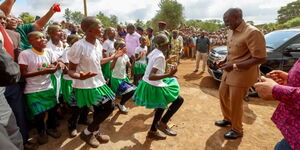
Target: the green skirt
pixel 121 86
pixel 106 71
pixel 67 90
pixel 139 69
pixel 156 97
pixel 40 102
pixel 89 97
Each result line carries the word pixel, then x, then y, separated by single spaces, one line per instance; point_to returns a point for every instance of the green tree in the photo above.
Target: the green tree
pixel 288 12
pixel 114 20
pixel 68 14
pixel 104 19
pixel 139 23
pixel 76 17
pixel 27 18
pixel 208 25
pixel 292 23
pixel 171 12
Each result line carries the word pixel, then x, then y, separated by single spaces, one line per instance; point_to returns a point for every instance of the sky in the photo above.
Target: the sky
pixel 259 11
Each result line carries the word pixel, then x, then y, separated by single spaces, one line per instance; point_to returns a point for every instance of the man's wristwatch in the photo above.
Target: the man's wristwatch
pixel 235 67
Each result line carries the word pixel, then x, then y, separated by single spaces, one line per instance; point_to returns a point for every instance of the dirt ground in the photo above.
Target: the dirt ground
pixel 194 122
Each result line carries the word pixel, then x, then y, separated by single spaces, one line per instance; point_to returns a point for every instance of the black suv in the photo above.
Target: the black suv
pixel 283 49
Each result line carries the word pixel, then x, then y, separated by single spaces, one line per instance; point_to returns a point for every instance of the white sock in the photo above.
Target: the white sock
pixel 86 131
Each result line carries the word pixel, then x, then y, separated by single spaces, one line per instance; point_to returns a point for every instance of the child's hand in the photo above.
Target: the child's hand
pixel 61 65
pixel 50 69
pixel 133 58
pixel 84 76
pixel 119 53
pixel 173 71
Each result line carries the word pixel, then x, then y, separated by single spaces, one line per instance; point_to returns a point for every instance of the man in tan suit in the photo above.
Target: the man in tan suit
pixel 246 51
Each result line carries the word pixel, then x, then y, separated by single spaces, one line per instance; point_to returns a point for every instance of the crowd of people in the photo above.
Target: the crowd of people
pixel 84 68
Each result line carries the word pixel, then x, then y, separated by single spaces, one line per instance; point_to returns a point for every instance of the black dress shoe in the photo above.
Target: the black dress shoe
pixel 222 123
pixel 232 135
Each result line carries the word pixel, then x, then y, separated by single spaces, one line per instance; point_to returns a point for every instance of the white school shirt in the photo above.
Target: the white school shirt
pixel 58 51
pixel 156 60
pixel 36 62
pixel 119 70
pixel 108 45
pixel 143 59
pixel 88 59
pixel 66 61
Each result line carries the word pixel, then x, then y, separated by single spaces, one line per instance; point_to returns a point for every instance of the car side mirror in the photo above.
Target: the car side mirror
pixel 293 48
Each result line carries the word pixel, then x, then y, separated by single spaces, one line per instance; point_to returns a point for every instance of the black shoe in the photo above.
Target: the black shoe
pixel 196 70
pixel 222 123
pixel 232 135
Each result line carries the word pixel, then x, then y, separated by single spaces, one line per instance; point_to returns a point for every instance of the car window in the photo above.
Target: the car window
pixel 277 38
pixel 296 41
pixel 295 45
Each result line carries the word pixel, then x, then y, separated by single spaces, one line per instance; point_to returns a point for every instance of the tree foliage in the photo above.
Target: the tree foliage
pixel 292 23
pixel 74 17
pixel 139 23
pixel 209 25
pixel 68 14
pixel 111 21
pixel 27 18
pixel 288 12
pixel 171 12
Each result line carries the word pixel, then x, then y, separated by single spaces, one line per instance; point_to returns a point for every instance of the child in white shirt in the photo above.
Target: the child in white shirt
pixel 120 83
pixel 36 65
pixel 108 50
pixel 140 63
pixel 157 90
pixel 90 89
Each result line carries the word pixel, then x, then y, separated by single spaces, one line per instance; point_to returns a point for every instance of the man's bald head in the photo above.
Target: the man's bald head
pixel 233 17
pixel 236 12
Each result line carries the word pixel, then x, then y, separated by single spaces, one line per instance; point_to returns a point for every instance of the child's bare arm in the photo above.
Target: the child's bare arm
pixel 26 74
pixel 113 64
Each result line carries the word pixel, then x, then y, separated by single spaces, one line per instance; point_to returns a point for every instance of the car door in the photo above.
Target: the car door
pixel 291 54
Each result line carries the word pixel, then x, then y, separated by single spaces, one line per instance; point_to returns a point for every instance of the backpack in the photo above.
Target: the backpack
pixel 9 70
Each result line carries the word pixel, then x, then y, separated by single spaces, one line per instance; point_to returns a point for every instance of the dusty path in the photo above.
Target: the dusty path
pixel 194 123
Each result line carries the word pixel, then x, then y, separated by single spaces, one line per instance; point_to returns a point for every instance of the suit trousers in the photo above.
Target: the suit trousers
pixel 231 100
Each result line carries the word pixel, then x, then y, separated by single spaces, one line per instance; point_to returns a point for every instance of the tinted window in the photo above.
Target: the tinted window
pixel 277 38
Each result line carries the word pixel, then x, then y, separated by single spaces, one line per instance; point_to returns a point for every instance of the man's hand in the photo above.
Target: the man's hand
pixel 221 63
pixel 264 88
pixel 84 76
pixel 227 67
pixel 279 76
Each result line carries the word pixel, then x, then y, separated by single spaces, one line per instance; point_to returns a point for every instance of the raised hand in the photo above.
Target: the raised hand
pixel 119 53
